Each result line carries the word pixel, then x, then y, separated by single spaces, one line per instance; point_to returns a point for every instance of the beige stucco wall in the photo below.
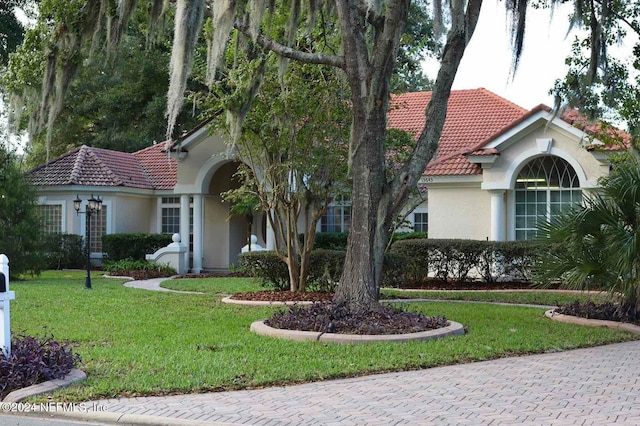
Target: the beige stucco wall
pixel 126 212
pixel 459 210
pixel 133 214
pixel 463 210
pixel 202 158
pixel 524 149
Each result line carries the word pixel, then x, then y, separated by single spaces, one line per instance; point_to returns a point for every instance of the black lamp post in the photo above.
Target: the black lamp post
pixel 94 205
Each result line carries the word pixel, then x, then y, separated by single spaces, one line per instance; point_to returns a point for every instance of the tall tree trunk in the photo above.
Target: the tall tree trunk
pixel 375 201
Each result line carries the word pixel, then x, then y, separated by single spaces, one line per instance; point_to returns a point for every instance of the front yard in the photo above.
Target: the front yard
pixel 136 342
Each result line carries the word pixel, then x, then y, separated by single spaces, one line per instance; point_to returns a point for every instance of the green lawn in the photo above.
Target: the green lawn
pixel 227 286
pixel 535 298
pixel 137 342
pixel 221 286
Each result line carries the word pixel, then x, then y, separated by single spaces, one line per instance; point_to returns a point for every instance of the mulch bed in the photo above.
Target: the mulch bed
pixel 217 274
pixel 331 317
pixel 140 275
pixel 283 296
pixel 604 311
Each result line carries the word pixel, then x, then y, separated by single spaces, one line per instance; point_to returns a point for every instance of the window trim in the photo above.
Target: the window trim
pixel 340 201
pixel 511 193
pixel 63 213
pixel 413 218
pixel 83 226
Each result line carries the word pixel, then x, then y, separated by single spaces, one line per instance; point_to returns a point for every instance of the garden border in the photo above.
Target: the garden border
pixel 74 376
pixel 570 319
pixel 453 329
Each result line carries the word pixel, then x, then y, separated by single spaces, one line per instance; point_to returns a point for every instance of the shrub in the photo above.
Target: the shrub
pixel 138 269
pixel 399 236
pixel 132 246
pixel 63 251
pixel 331 241
pixel 267 267
pixel 34 360
pixel 458 259
pixel 508 259
pixel 394 270
pixel 325 269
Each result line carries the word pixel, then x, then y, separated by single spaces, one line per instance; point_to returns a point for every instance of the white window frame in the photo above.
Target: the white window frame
pixel 343 201
pixel 511 195
pixel 83 223
pixel 413 218
pixel 46 202
pixel 161 205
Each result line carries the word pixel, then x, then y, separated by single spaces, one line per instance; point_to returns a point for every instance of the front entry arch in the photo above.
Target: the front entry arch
pixel 223 235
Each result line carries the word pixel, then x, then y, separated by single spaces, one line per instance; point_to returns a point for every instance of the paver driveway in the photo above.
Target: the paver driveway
pixel 594 386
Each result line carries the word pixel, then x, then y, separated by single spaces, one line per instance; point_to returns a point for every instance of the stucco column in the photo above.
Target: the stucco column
pixel 271 236
pixel 184 225
pixel 497 215
pixel 197 233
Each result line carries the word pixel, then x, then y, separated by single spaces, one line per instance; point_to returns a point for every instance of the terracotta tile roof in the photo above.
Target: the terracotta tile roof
pixel 472 116
pixel 102 167
pixel 161 170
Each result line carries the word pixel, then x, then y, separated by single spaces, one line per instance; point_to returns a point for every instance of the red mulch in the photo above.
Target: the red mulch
pixel 140 275
pixel 283 296
pixel 216 274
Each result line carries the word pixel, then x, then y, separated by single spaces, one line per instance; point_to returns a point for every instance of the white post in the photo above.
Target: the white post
pixel 5 297
pixel 197 233
pixel 184 225
pixel 497 215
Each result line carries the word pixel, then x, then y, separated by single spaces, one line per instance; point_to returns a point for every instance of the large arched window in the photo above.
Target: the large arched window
pixel 545 187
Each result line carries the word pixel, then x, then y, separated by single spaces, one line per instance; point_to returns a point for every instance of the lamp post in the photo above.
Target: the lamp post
pixel 94 205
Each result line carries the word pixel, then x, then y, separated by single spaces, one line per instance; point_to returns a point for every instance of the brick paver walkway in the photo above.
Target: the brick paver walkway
pixel 595 386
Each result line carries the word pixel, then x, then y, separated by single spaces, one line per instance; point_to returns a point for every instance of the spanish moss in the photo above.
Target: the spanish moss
pixel 188 21
pixel 223 17
pixel 125 10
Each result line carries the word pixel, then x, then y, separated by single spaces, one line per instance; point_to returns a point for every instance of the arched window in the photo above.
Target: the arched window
pixel 545 187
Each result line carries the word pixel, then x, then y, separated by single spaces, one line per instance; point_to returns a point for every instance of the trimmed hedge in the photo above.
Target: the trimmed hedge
pixel 338 240
pixel 462 259
pixel 325 269
pixel 331 241
pixel 63 251
pixel 133 246
pixel 138 269
pixel 399 236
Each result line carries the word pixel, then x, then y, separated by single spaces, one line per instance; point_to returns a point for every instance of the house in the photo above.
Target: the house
pixel 498 169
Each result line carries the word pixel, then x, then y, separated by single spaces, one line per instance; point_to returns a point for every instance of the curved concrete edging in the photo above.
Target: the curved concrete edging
pixel 259 327
pixel 570 319
pixel 74 376
pixel 263 302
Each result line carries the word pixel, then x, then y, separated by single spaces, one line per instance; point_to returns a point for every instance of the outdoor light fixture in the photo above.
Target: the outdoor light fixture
pixel 94 205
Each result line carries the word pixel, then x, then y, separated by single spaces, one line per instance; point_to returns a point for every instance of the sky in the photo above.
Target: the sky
pixel 487 60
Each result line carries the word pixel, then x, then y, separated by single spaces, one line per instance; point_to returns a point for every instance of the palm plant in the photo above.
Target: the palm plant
pixel 598 244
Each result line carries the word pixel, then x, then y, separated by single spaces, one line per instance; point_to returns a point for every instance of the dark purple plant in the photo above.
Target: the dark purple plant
pixel 34 360
pixel 338 318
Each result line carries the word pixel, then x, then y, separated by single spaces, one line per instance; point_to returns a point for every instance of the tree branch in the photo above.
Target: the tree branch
pixel 288 52
pixel 463 26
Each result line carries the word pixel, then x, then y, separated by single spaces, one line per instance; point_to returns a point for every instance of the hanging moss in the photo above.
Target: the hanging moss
pixel 188 22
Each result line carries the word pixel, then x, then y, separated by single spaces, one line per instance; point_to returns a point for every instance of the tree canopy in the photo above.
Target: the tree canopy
pixel 362 39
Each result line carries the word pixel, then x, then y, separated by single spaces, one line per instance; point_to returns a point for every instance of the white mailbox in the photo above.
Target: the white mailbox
pixel 5 298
